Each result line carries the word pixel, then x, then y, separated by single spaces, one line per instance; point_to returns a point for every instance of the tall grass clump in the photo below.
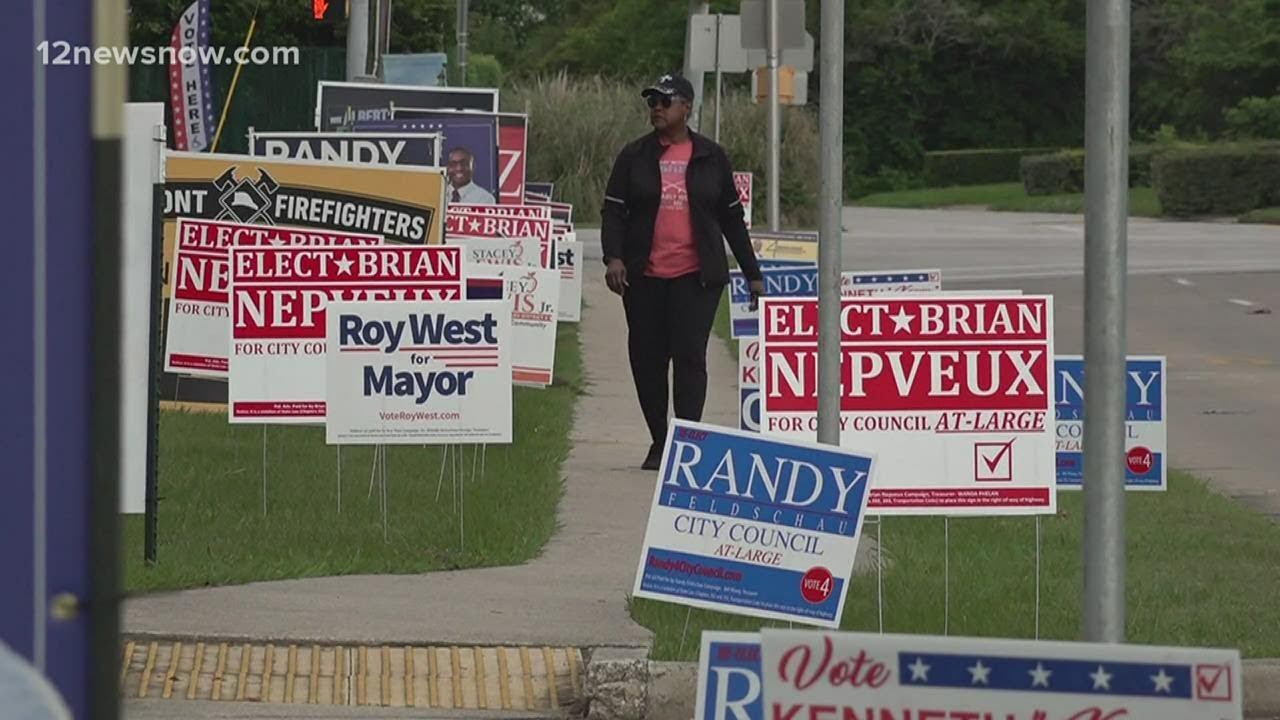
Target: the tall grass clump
pixel 577 125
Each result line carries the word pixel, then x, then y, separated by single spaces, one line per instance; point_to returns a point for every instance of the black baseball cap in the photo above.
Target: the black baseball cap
pixel 671 86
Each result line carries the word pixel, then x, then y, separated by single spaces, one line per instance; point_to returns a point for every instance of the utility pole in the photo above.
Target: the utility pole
pixel 775 113
pixel 695 77
pixel 358 39
pixel 830 227
pixel 462 42
pixel 1106 188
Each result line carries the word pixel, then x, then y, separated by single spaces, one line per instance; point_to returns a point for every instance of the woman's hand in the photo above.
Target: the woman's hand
pixel 615 276
pixel 756 288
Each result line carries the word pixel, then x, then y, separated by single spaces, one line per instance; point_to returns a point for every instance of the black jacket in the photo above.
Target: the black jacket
pixel 631 206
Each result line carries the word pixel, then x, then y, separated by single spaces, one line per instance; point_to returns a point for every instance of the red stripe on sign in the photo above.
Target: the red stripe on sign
pixel 467 366
pixel 538 376
pixel 925 320
pixel 198 362
pixel 278 409
pixel 959 497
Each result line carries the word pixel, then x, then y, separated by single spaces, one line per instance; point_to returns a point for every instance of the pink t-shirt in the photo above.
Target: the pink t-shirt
pixel 673 252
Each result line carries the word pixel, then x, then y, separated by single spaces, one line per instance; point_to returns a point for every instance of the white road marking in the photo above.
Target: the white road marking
pixel 1238 301
pixel 1183 282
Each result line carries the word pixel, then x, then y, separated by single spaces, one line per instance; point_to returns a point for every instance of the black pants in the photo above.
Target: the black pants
pixel 668 322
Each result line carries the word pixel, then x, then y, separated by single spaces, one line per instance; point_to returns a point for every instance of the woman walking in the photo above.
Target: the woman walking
pixel 669 207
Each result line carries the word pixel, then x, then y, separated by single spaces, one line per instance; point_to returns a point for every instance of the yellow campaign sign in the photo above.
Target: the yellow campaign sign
pixel 794 246
pixel 403 204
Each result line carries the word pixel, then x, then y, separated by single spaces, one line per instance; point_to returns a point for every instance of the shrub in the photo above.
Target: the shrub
pixel 1063 172
pixel 1060 172
pixel 577 126
pixel 975 167
pixel 1227 179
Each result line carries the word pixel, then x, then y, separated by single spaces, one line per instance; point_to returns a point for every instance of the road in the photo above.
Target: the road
pixel 1199 293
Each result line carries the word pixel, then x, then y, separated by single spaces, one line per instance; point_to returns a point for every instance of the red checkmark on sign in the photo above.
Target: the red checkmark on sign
pixel 1213 682
pixel 993 462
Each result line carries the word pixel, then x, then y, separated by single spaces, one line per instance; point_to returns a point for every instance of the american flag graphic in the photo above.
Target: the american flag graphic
pixel 896 277
pixel 190 89
pixel 1029 674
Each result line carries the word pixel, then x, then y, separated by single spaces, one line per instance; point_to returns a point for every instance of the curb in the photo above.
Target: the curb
pixel 623 684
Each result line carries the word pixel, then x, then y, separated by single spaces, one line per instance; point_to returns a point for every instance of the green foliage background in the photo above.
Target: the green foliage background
pixel 920 75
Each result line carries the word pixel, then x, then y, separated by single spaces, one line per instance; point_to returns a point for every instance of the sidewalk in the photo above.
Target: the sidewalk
pixel 574 594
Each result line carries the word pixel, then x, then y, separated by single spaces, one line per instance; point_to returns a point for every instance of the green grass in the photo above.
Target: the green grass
pixel 1005 197
pixel 1267 216
pixel 1202 570
pixel 212 531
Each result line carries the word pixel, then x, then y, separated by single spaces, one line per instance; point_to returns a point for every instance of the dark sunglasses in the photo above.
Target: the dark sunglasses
pixel 654 100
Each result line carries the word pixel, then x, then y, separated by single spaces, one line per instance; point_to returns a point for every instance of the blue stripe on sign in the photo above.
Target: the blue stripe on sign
pixel 768 513
pixel 1086 677
pixel 740 584
pixel 749 327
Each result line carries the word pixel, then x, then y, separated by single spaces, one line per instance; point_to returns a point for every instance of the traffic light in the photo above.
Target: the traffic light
pixel 329 11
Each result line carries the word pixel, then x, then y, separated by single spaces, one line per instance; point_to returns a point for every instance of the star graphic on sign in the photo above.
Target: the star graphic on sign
pixel 1163 681
pixel 902 321
pixel 919 671
pixel 1039 676
pixel 475 225
pixel 1101 679
pixel 344 265
pixel 980 673
pixel 276 241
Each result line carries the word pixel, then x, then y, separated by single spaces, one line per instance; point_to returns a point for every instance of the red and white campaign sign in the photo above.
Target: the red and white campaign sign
pixel 954 395
pixel 531 212
pixel 462 224
pixel 569 263
pixel 534 294
pixel 808 675
pixel 742 181
pixel 513 133
pixel 520 252
pixel 278 301
pixel 196 335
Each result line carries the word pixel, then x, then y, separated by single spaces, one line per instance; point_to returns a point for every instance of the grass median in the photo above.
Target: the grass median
pixel 1005 197
pixel 1202 571
pixel 212 530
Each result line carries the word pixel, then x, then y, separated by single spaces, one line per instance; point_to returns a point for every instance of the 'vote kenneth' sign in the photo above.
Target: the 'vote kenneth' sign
pixel 752 525
pixel 418 372
pixel 278 301
pixel 953 393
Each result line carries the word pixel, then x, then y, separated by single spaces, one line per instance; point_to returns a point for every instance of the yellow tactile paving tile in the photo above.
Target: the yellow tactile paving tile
pixel 527 678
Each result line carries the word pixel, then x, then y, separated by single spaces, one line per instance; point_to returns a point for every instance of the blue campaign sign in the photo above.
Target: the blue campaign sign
pixel 729 682
pixel 1146 427
pixel 754 525
pixel 799 281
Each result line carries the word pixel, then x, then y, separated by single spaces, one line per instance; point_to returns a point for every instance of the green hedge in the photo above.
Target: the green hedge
pixel 1226 179
pixel 1063 172
pixel 946 168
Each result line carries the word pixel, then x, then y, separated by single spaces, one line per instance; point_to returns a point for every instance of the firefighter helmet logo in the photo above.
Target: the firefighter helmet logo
pixel 245 200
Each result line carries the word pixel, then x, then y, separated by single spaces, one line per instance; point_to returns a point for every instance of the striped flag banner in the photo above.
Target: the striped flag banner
pixel 190 89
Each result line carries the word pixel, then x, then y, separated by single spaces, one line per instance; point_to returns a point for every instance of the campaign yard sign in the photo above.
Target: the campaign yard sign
pixel 569 262
pixel 480 225
pixel 196 337
pixel 278 301
pixel 789 247
pixel 533 295
pixel 418 372
pixel 749 384
pixel 753 525
pixel 1146 429
pixel 513 141
pixel 802 281
pixel 742 182
pixel 370 148
pixel 953 393
pixel 518 252
pixel 529 212
pixel 729 682
pixel 900 677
